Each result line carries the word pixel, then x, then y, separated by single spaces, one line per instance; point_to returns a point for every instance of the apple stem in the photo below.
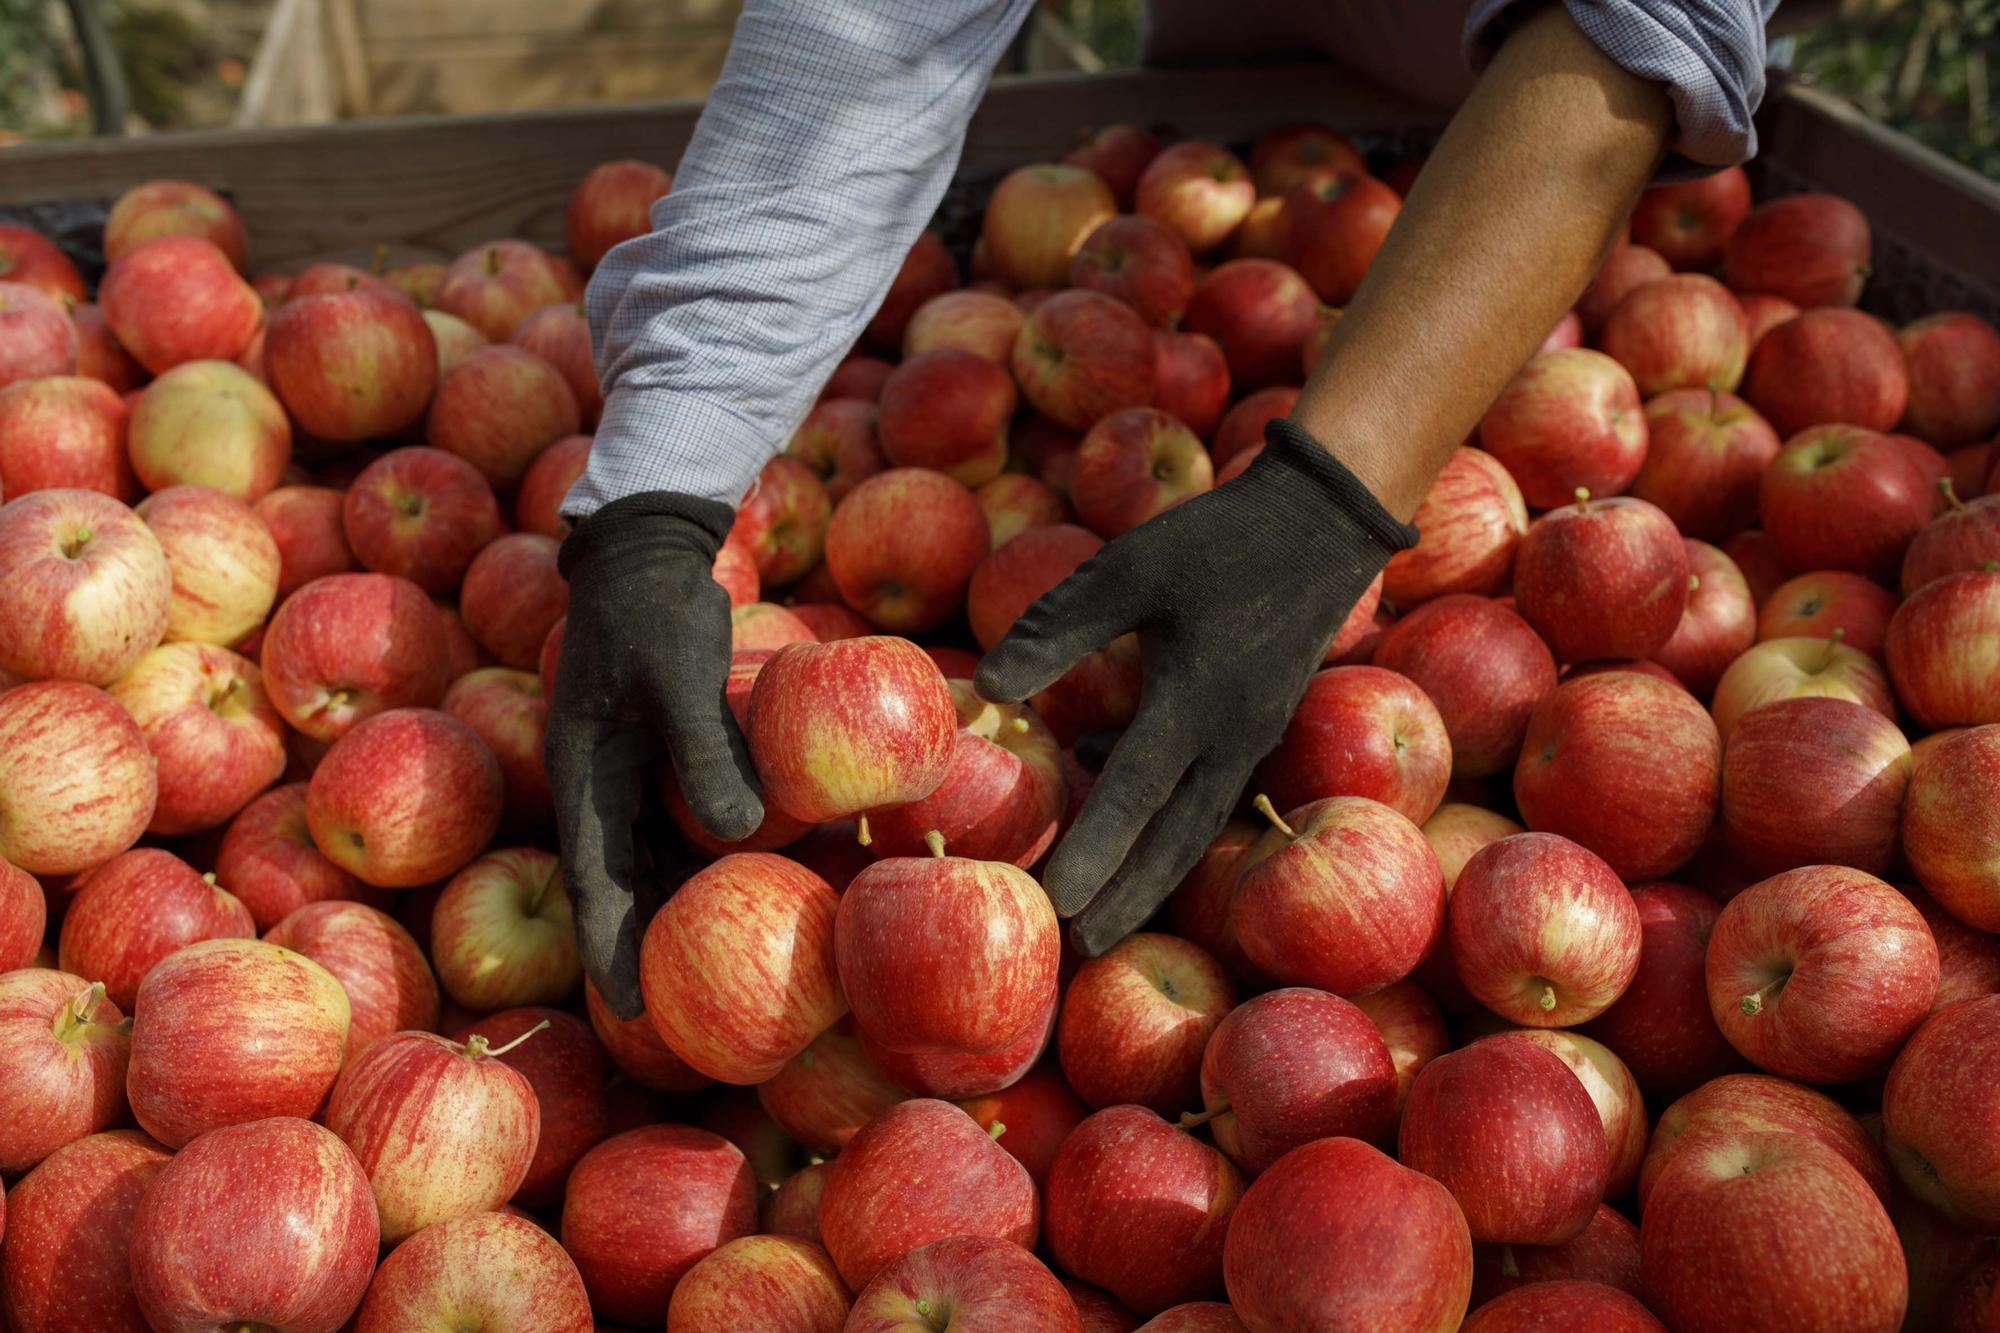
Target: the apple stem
pixel 1264 807
pixel 861 834
pixel 1950 493
pixel 1990 567
pixel 1583 499
pixel 81 1008
pixel 1694 583
pixel 1509 1267
pixel 996 1129
pixel 1547 999
pixel 935 841
pixel 209 879
pixel 1018 723
pixel 475 1045
pixel 1832 644
pixel 1190 1120
pixel 1753 1003
pixel 380 261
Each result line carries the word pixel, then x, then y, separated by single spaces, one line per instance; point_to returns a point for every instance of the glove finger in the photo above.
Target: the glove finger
pixel 1078 616
pixel 686 701
pixel 1137 781
pixel 1160 859
pixel 597 771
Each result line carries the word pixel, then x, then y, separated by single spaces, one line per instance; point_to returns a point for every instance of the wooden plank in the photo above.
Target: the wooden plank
pixel 449 20
pixel 344 25
pixel 522 75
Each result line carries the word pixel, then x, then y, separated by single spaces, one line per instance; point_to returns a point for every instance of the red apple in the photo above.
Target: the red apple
pixel 74 1215
pixel 1832 601
pixel 995 923
pixel 710 995
pixel 1602 578
pixel 1335 223
pixel 1949 831
pixel 1001 795
pixel 1199 190
pixel 1625 764
pixel 1606 1253
pixel 634 1045
pixel 1962 537
pixel 87 584
pixel 499 408
pixel 328 278
pixel 209 423
pixel 455 339
pixel 987 1284
pixel 841 728
pixel 294 1249
pixel 1134 464
pixel 1705 455
pixel 956 1075
pixel 1757 557
pixel 232 1030
pixel 546 483
pixel 1411 1027
pixel 645 1206
pixel 36 338
pixel 1542 931
pixel 1819 974
pixel 1690 222
pixel 1361 731
pixel 1679 332
pixel 1118 153
pixel 445 1274
pixel 268 858
pixel 63 1050
pixel 495 286
pixel 1468 529
pixel 784 1283
pixel 506 709
pixel 1569 419
pixel 1038 217
pixel 1968 959
pixel 173 208
pixel 1742 1106
pixel 216 738
pixel 355 365
pixel 1796 668
pixel 223 561
pixel 902 546
pixel 1482 666
pixel 1660 1026
pixel 305 522
pixel 558 334
pixel 76 778
pixel 1191 379
pixel 1344 894
pixel 1082 356
pixel 980 322
pixel 1292 153
pixel 513 595
pixel 1613 1091
pixel 838 440
pixel 948 409
pixel 919 1172
pixel 1242 428
pixel 1953 364
pixel 173 300
pixel 64 431
pixel 1199 910
pixel 1030 1118
pixel 828 1091
pixel 792 1210
pixel 1292 1066
pixel 1718 624
pixel 1828 365
pixel 1770 1231
pixel 405 798
pixel 1810 249
pixel 1939 651
pixel 1938 1111
pixel 24 918
pixel 1624 270
pixel 31 259
pixel 1142 262
pixel 386 979
pixel 442 1130
pixel 1261 311
pixel 1135 1022
pixel 1125 1173
pixel 1813 780
pixel 420 514
pixel 138 908
pixel 1338 1235
pixel 1540 1305
pixel 502 932
pixel 1763 312
pixel 611 204
pixel 1512 1134
pixel 1014 502
pixel 782 521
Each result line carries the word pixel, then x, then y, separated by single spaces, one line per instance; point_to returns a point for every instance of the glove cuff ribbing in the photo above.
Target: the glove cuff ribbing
pixel 1290 446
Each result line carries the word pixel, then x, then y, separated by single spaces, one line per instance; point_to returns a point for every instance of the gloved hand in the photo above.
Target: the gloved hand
pixel 644 659
pixel 1235 596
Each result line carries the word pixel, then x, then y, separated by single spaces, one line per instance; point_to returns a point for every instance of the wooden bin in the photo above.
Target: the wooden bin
pixel 434 186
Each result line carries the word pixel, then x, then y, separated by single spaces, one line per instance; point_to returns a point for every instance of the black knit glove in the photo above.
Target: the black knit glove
pixel 645 656
pixel 1235 596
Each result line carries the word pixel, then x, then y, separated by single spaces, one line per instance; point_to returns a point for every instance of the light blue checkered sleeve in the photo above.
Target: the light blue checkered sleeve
pixel 1708 53
pixel 823 150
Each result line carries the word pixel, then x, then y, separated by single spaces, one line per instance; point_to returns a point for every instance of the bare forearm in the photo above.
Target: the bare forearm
pixel 1502 231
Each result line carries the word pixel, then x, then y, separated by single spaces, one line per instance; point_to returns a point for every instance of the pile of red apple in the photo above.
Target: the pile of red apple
pixel 1609 943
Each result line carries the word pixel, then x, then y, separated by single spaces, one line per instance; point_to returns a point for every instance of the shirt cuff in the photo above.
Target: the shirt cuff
pixel 667 440
pixel 1709 54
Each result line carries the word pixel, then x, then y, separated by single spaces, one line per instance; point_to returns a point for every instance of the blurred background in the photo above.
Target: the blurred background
pixel 1923 66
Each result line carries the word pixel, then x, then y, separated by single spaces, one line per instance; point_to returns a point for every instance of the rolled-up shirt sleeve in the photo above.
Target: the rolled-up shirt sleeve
pixel 1709 54
pixel 823 151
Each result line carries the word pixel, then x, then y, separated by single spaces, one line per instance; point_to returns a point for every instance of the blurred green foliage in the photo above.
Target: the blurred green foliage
pixel 181 60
